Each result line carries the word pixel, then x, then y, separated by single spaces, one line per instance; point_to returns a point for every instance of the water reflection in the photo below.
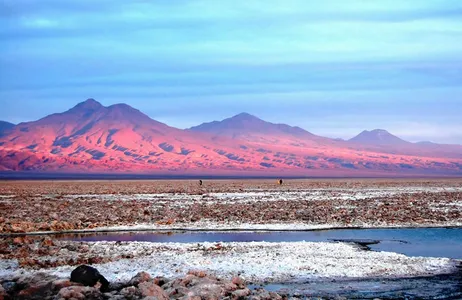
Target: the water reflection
pixel 429 242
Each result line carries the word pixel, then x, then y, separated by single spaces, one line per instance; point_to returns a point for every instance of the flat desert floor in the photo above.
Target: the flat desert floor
pixel 37 206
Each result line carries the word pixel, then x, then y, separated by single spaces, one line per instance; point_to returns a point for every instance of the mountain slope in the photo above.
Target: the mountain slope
pixel 5 126
pixel 249 128
pixel 245 123
pixel 91 137
pixel 378 137
pixel 382 141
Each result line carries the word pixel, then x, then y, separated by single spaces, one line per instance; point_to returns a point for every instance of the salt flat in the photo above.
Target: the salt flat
pixel 254 261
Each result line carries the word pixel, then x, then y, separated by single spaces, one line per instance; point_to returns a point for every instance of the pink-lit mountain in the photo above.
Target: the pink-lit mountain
pixel 120 139
pixel 378 137
pixel 246 125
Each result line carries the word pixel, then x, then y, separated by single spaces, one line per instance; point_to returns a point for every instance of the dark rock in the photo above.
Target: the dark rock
pixel 117 286
pixel 9 287
pixel 161 281
pixel 361 243
pixel 89 276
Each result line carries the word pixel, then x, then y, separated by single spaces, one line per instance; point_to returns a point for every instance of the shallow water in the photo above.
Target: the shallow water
pixel 435 287
pixel 427 242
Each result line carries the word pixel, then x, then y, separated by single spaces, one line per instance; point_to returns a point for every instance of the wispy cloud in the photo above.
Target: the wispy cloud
pixel 233 56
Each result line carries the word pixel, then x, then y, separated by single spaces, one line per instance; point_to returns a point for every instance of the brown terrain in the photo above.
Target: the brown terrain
pixel 77 205
pixel 92 138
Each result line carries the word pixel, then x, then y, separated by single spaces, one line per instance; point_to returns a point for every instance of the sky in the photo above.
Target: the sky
pixel 332 67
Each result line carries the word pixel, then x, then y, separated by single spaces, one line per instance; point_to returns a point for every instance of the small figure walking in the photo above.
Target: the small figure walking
pixel 200 182
pixel 280 181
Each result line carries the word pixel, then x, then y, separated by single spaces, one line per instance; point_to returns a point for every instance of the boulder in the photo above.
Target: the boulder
pixel 9 286
pixel 89 276
pixel 261 294
pixel 38 286
pixel 57 285
pixel 79 292
pixel 189 280
pixel 241 294
pixel 177 292
pixel 130 292
pixel 200 274
pixel 239 282
pixel 150 289
pixel 160 281
pixel 207 290
pixel 229 286
pixel 140 278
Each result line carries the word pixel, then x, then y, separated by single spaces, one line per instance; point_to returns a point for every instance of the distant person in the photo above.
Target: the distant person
pixel 200 182
pixel 280 182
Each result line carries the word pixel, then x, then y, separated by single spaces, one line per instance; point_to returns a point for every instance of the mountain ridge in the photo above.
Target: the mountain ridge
pixel 90 137
pixel 245 125
pixel 4 126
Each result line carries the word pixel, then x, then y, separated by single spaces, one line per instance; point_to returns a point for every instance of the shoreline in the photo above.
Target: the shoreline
pixel 135 228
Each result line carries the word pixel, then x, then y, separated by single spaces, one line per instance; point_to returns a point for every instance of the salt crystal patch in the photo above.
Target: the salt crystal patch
pixel 261 261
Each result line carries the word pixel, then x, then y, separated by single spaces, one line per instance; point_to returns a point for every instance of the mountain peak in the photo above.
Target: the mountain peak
pixel 377 137
pixel 122 107
pixel 245 124
pixel 239 123
pixel 85 108
pixel 89 105
pixel 126 111
pixel 244 116
pixel 379 131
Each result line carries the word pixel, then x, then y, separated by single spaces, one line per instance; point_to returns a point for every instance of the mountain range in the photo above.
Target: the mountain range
pixel 92 138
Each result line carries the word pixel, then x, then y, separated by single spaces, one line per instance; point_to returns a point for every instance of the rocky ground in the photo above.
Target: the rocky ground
pixel 196 285
pixel 85 205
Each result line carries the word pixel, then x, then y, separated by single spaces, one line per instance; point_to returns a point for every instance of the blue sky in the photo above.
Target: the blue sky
pixel 333 67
